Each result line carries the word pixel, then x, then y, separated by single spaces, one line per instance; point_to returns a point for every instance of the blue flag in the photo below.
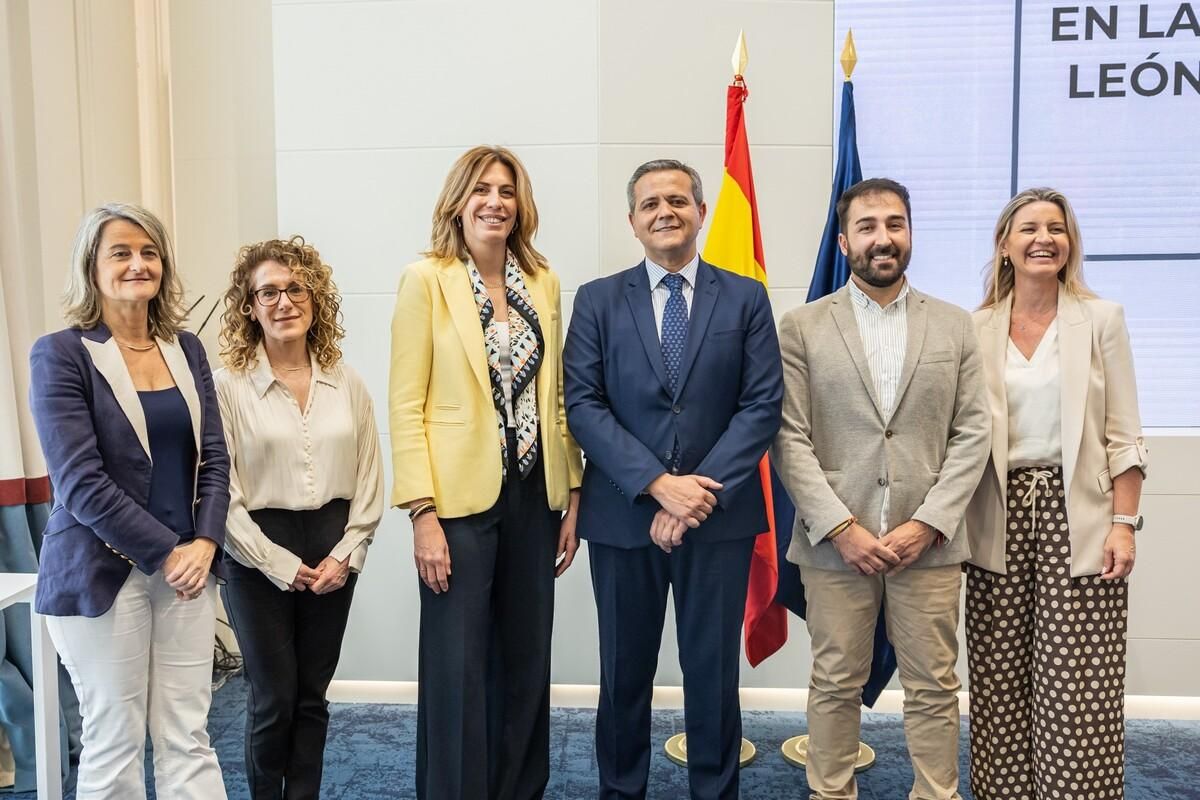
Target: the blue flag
pixel 831 274
pixel 832 271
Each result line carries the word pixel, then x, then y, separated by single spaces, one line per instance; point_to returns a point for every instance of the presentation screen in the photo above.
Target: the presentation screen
pixel 969 103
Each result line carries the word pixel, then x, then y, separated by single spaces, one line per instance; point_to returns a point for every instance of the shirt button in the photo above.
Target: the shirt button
pixel 883 482
pixel 676 409
pixel 888 435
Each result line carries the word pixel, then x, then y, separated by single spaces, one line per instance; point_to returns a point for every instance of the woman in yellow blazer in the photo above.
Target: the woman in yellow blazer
pixel 1052 523
pixel 486 467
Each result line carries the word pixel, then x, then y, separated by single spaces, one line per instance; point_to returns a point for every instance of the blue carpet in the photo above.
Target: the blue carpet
pixel 370 755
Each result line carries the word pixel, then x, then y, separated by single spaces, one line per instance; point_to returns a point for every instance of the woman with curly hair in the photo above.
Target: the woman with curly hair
pixel 306 494
pixel 489 474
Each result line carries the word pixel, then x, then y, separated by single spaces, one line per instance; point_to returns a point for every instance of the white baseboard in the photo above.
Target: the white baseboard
pixel 585 696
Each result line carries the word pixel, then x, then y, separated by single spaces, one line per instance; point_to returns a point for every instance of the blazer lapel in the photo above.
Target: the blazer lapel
pixel 843 315
pixel 460 299
pixel 1075 363
pixel 993 348
pixel 106 357
pixel 916 314
pixel 704 299
pixel 637 293
pixel 185 379
pixel 541 305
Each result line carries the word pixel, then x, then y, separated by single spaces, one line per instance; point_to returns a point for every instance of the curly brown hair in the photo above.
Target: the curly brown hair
pixel 241 334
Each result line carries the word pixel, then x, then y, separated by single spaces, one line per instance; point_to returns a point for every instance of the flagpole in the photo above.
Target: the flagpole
pixel 676 746
pixel 795 749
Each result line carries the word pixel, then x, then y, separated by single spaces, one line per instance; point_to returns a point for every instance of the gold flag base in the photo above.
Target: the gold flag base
pixel 676 749
pixel 795 752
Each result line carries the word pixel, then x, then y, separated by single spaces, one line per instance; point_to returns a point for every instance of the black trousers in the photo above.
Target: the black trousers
pixel 290 644
pixel 483 701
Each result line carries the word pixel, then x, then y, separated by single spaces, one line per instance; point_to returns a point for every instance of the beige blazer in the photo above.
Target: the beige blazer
pixel 445 444
pixel 1101 428
pixel 835 449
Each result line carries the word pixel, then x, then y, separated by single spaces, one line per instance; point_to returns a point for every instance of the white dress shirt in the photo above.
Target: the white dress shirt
pixel 286 457
pixel 1034 392
pixel 884 334
pixel 659 291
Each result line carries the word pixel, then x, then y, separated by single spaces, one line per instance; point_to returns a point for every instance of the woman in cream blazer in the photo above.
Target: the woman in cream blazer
pixel 486 467
pixel 1052 523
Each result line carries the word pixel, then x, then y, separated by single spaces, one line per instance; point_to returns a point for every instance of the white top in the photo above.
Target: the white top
pixel 506 371
pixel 659 291
pixel 1034 392
pixel 282 456
pixel 884 334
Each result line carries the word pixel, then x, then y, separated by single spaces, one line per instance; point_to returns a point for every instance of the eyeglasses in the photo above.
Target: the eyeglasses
pixel 269 295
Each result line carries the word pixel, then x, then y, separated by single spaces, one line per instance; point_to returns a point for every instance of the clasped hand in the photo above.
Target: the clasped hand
pixel 186 568
pixel 328 576
pixel 688 498
pixel 890 553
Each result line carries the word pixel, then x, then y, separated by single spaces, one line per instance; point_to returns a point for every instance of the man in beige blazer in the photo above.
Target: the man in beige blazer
pixel 885 434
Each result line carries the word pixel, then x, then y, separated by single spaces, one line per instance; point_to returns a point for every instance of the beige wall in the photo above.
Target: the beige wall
pixel 374 100
pixel 104 83
pixel 167 104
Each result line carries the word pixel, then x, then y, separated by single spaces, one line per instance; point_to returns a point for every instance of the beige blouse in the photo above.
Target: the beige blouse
pixel 283 456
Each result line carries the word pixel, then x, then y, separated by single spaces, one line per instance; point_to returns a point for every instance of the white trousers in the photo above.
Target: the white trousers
pixel 145 663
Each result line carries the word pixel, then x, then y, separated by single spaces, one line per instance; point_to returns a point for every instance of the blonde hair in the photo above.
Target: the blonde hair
pixel 447 241
pixel 241 334
pixel 999 276
pixel 81 300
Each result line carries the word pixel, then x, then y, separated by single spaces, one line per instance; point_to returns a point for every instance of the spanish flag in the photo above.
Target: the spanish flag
pixel 734 243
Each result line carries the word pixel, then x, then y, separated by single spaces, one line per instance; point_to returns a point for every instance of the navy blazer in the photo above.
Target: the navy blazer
pixel 725 411
pixel 93 433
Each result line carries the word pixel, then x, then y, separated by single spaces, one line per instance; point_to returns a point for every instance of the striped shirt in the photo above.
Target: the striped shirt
pixel 659 291
pixel 884 333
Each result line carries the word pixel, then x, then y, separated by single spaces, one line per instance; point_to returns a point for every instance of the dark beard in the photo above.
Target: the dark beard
pixel 860 265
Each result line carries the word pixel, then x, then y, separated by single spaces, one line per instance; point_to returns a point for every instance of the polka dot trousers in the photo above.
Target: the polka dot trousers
pixel 1046 655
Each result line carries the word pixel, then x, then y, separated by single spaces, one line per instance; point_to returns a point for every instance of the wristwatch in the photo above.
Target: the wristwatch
pixel 1134 521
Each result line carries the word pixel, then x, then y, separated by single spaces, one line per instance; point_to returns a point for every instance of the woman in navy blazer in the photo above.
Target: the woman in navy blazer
pixel 124 405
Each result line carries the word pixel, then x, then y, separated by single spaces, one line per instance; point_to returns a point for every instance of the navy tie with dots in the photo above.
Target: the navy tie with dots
pixel 674 328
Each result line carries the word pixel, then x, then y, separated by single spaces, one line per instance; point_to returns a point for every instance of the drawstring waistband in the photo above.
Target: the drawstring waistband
pixel 1039 482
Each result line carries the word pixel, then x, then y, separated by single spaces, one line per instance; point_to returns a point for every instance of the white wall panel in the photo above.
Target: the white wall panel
pixel 664 66
pixel 1164 579
pixel 367 319
pixel 381 640
pixel 434 73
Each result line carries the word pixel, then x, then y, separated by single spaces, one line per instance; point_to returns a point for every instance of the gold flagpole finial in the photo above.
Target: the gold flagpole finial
pixel 740 57
pixel 849 55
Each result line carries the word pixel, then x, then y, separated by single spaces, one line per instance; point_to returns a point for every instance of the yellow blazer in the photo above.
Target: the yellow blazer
pixel 1101 428
pixel 443 424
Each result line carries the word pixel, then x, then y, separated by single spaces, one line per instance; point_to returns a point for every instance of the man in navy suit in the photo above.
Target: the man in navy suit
pixel 674 390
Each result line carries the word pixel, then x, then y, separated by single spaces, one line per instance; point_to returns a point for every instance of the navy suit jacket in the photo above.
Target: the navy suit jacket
pixel 725 411
pixel 93 433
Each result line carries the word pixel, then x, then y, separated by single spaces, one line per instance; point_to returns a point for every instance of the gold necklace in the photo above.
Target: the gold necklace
pixel 291 369
pixel 1043 318
pixel 136 348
